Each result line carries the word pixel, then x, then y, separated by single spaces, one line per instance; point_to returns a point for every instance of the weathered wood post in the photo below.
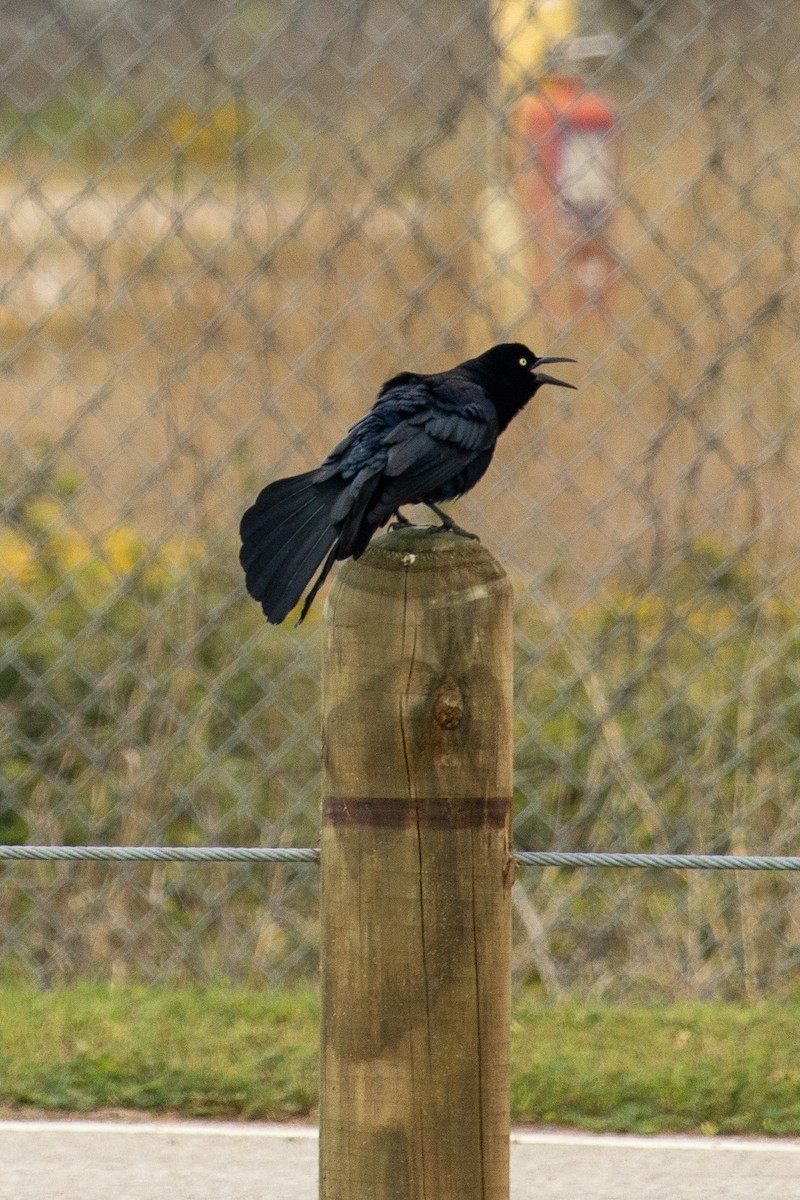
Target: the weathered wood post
pixel 416 874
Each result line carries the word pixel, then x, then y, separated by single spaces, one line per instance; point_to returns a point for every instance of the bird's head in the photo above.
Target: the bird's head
pixel 511 374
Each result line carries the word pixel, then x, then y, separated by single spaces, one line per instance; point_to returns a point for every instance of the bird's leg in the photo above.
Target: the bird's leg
pixel 400 522
pixel 448 524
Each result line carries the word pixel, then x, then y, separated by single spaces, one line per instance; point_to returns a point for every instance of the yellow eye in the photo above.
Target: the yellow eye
pixel 523 362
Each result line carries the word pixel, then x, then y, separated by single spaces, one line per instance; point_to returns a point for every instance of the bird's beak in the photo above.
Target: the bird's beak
pixel 541 377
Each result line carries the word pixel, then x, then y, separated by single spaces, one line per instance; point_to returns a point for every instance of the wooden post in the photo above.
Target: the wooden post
pixel 416 874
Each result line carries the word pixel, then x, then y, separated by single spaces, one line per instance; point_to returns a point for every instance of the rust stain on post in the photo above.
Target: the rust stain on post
pixel 416 891
pixel 427 812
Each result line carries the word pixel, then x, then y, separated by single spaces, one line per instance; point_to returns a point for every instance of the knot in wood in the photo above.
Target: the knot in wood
pixel 448 706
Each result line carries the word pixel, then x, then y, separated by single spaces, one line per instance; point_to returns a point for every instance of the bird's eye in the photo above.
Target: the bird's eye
pixel 523 362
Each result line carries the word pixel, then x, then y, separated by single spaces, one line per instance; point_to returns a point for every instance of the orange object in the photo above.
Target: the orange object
pixel 574 140
pixel 567 183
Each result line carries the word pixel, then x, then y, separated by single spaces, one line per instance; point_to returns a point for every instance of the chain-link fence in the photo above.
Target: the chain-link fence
pixel 224 223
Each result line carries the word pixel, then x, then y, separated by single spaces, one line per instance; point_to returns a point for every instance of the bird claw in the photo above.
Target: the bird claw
pixel 400 522
pixel 465 533
pixel 448 525
pixel 452 528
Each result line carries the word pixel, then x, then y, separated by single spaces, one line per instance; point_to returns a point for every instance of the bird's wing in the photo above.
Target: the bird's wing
pixel 419 435
pixel 454 425
pixel 333 463
pixel 431 449
pixel 464 415
pixel 361 446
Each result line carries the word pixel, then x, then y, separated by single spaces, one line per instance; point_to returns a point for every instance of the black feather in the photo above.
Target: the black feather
pixel 427 439
pixel 285 536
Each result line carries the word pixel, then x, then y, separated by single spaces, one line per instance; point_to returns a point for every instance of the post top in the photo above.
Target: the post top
pixel 431 550
pixel 415 566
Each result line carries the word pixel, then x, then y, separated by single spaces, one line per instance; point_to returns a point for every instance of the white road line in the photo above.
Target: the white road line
pixel 173 1128
pixel 524 1137
pixel 629 1141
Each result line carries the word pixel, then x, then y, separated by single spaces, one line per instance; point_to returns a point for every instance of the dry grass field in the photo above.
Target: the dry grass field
pixel 180 340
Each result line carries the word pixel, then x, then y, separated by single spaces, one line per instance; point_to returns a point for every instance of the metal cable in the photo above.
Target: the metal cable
pixel 715 862
pixel 284 854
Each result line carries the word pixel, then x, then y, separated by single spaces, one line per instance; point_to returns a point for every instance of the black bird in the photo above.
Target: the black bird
pixel 427 438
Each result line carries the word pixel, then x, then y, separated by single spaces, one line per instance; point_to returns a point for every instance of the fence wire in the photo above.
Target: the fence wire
pixel 222 224
pixel 309 854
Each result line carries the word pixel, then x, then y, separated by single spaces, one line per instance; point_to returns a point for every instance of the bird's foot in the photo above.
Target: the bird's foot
pixel 448 525
pixel 451 527
pixel 400 522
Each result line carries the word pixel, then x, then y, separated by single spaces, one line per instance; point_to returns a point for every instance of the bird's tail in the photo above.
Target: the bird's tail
pixel 285 536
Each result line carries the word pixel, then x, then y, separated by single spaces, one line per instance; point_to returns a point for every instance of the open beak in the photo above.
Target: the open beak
pixel 541 377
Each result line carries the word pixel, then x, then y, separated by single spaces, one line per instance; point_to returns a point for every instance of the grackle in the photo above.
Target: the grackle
pixel 427 439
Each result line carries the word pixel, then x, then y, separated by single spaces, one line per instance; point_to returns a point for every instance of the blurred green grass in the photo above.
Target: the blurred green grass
pixel 85 124
pixel 220 1052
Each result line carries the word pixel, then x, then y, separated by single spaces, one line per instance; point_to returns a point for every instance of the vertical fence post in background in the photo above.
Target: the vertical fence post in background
pixel 416 874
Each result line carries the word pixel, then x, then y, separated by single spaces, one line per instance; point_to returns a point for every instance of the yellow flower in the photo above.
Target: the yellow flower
pixel 42 514
pixel 123 549
pixel 16 555
pixel 71 548
pixel 210 133
pixel 181 552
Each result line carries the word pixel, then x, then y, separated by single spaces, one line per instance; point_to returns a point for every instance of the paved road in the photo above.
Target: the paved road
pixel 94 1160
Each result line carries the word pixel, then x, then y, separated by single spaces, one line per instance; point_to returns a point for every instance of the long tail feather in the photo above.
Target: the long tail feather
pixel 283 496
pixel 273 526
pixel 285 536
pixel 277 551
pixel 318 582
